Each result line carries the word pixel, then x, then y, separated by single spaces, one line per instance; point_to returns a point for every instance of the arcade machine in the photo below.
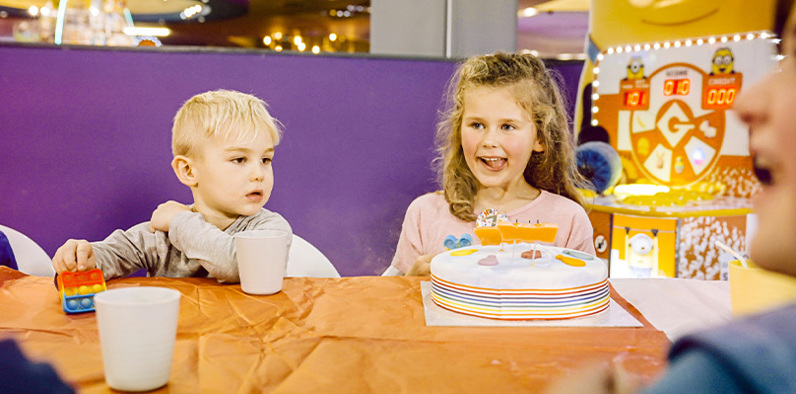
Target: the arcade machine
pixel 667 108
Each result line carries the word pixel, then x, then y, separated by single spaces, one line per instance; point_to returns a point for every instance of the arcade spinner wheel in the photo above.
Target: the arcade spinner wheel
pixel 600 164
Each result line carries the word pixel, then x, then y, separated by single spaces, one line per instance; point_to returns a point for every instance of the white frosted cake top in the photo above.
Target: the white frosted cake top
pixel 514 272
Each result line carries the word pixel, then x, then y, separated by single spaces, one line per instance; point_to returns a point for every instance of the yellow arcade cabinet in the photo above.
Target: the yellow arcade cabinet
pixel 667 108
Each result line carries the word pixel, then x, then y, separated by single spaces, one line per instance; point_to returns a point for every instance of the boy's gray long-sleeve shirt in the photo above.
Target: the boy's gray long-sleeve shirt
pixel 192 247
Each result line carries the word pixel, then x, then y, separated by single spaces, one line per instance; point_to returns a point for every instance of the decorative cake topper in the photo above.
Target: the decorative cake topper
pixel 451 242
pixel 491 217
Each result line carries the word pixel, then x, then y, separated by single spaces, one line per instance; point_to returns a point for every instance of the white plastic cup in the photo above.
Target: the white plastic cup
pixel 262 260
pixel 137 330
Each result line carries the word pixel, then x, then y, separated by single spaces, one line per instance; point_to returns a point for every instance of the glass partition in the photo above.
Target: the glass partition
pixel 422 28
pixel 300 25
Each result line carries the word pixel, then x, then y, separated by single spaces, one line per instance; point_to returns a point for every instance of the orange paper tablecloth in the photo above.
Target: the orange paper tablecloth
pixel 357 334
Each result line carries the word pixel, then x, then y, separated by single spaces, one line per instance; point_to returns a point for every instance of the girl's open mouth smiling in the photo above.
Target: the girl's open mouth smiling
pixel 493 163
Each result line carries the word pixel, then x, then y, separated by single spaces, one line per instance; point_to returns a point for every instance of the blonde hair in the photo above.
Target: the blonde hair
pixel 220 113
pixel 536 90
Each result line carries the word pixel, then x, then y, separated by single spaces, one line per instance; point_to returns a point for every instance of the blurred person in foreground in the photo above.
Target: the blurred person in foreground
pixel 756 354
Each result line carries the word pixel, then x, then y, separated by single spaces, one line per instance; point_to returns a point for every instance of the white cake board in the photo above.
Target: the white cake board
pixel 615 316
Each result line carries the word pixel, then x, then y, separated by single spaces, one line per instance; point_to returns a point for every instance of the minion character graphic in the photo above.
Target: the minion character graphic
pixel 635 68
pixel 723 61
pixel 679 166
pixel 641 253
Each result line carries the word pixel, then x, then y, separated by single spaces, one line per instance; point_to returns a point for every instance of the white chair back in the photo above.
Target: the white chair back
pixel 31 258
pixel 305 259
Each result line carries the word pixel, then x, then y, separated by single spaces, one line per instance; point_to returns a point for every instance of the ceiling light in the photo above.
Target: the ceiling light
pixel 147 31
pixel 529 12
pixel 191 11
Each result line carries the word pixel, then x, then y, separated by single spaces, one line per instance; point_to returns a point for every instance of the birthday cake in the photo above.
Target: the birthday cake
pixel 511 277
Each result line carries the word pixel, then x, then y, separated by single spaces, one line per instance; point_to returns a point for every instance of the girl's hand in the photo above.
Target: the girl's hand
pixel 162 216
pixel 421 267
pixel 74 255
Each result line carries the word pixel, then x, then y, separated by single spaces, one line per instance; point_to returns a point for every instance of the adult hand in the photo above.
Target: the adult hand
pixel 163 214
pixel 74 255
pixel 601 378
pixel 421 267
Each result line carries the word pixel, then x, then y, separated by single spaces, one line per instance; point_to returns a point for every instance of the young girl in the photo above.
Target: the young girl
pixel 505 143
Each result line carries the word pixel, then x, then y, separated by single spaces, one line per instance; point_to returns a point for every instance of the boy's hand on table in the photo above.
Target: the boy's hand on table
pixel 74 255
pixel 421 267
pixel 162 216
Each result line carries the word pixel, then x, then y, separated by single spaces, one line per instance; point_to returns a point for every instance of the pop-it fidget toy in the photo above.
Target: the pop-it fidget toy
pixel 78 288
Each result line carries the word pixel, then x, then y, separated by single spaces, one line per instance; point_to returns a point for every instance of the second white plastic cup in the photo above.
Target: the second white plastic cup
pixel 137 330
pixel 262 260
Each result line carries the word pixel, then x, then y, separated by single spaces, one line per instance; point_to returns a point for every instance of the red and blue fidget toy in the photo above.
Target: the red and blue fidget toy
pixel 78 288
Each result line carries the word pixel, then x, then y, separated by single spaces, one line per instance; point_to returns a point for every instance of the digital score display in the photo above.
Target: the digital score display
pixel 713 97
pixel 677 87
pixel 719 91
pixel 721 95
pixel 635 94
pixel 636 99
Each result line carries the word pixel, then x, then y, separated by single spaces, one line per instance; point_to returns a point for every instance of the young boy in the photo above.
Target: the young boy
pixel 223 144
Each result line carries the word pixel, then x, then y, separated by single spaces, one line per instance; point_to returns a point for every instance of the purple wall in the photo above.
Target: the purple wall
pixel 86 140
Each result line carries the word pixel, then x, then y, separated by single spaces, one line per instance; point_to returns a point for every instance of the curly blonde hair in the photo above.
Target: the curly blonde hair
pixel 536 90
